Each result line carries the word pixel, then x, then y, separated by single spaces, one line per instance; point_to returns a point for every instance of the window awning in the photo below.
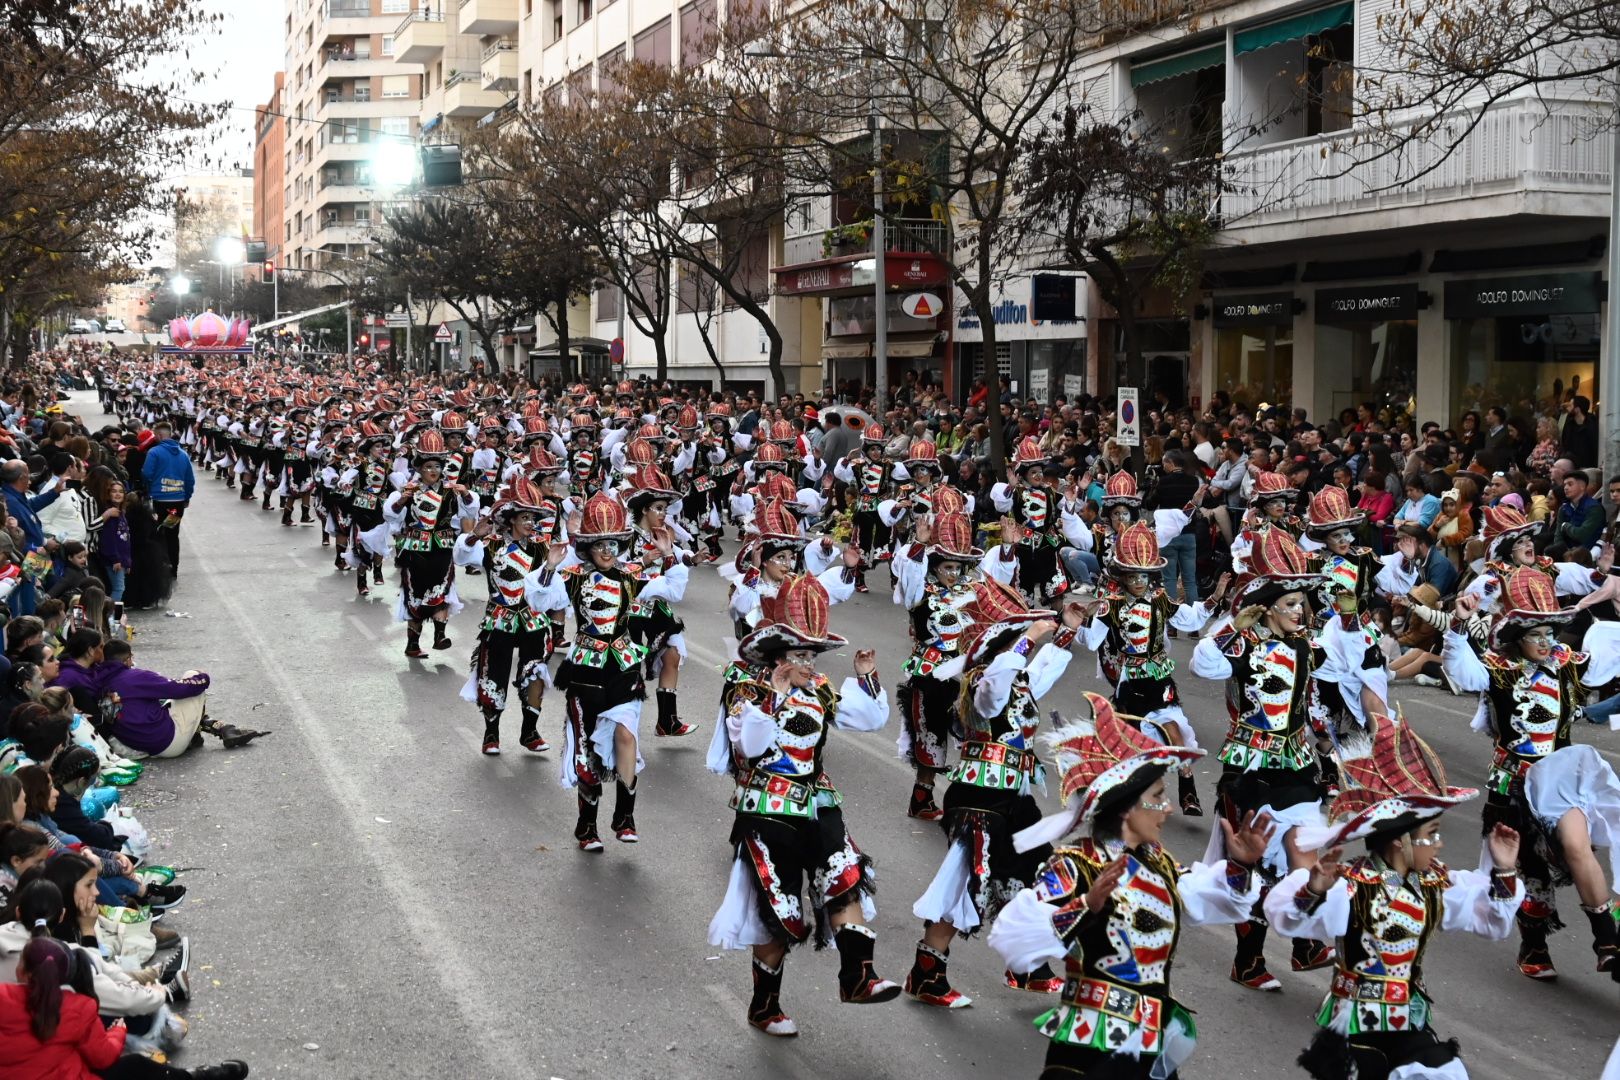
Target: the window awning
pixel 1168 67
pixel 900 346
pixel 1292 29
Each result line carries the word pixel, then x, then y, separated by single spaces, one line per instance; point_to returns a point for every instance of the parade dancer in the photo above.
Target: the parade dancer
pixel 602 672
pixel 1266 654
pixel 1384 907
pixel 296 475
pixel 698 507
pixel 272 455
pixel 1041 524
pixel 869 475
pixel 776 549
pixel 424 517
pixel 914 499
pixel 934 578
pixel 332 460
pixel 1006 669
pixel 1558 797
pixel 509 547
pixel 1271 506
pixel 584 456
pixel 364 489
pixel 1110 903
pixel 657 626
pixel 789 830
pixel 1129 633
pixel 1510 545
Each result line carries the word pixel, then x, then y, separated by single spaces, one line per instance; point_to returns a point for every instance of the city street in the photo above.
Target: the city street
pixel 371 897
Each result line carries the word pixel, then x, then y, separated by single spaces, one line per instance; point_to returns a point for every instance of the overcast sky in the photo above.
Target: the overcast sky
pixel 250 53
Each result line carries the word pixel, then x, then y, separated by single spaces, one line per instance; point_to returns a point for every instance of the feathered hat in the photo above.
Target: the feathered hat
pixel 795 618
pixel 1396 787
pixel 1104 761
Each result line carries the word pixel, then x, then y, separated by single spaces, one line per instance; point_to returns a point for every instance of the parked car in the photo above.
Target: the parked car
pixel 116 326
pixel 81 326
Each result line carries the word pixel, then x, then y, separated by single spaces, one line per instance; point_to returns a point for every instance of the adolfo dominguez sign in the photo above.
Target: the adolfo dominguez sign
pixel 1367 303
pixel 1528 294
pixel 1254 309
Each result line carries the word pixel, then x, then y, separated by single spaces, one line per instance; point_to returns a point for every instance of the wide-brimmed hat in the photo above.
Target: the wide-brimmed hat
pixel 874 433
pixel 535 430
pixel 795 618
pixel 1137 550
pixel 777 486
pixel 945 499
pixel 371 435
pixel 922 455
pixel 602 519
pixel 687 418
pixel 649 484
pixel 1103 761
pixel 782 433
pixel 770 456
pixel 1027 455
pixel 1399 785
pixel 542 462
pixel 995 610
pixel 1270 485
pixel 953 539
pixel 521 496
pixel 1331 511
pixel 1276 566
pixel 775 524
pixel 429 447
pixel 1528 600
pixel 639 452
pixel 1121 490
pixel 1503 527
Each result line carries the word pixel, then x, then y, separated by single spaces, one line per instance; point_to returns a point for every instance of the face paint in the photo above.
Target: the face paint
pixel 1287 612
pixel 948 573
pixel 610 548
pixel 1275 507
pixel 1524 551
pixel 1136 584
pixel 1339 540
pixel 1120 516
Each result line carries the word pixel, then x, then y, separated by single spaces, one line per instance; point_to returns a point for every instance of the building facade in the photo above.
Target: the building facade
pixel 269 170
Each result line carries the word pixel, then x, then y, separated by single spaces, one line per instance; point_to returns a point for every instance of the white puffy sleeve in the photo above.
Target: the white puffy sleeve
pixel 890 512
pixel 1208 662
pixel 469 550
pixel 1024 935
pixel 1192 617
pixel 910 575
pixel 1001 498
pixel 1214 894
pixel 839 581
pixel 545 590
pixel 669 585
pixel 1001 563
pixel 842 472
pixel 1462 665
pixel 1045 668
pixel 862 704
pixel 751 730
pixel 1573 579
pixel 683 459
pixel 995 686
pixel 1168 524
pixel 1472 905
pixel 1324 920
pixel 1398 576
pixel 394 510
pixel 1074 529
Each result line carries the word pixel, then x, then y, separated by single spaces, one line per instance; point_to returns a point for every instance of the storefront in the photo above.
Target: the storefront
pixel 1254 346
pixel 1043 357
pixel 1527 342
pixel 1366 348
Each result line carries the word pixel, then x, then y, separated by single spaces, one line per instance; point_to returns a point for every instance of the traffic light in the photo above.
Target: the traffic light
pixel 269 269
pixel 365 339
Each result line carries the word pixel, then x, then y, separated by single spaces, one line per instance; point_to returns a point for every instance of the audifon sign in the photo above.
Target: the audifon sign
pixel 1014 319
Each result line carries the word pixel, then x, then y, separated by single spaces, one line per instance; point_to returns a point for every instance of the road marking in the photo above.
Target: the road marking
pixel 464 986
pixel 364 630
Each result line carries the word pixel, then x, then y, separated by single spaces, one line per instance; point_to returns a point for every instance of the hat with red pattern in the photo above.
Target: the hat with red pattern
pixel 430 447
pixel 1270 485
pixel 1028 455
pixel 649 484
pixel 1105 761
pixel 1276 566
pixel 1121 490
pixel 1137 551
pixel 602 519
pixel 996 610
pixel 953 539
pixel 1503 527
pixel 922 455
pixel 776 525
pixel 795 618
pixel 770 456
pixel 1331 511
pixel 1528 600
pixel 521 496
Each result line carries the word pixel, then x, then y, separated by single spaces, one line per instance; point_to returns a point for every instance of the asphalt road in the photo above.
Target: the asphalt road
pixel 371 897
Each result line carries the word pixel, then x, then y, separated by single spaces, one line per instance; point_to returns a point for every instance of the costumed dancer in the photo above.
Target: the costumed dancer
pixel 1266 654
pixel 657 626
pixel 364 489
pixel 698 509
pixel 1110 903
pixel 869 475
pixel 1006 667
pixel 1122 508
pixel 1271 506
pixel 776 548
pixel 789 833
pixel 511 549
pixel 913 500
pixel 335 456
pixel 1042 525
pixel 1129 634
pixel 602 671
pixel 1510 545
pixel 424 517
pixel 296 477
pixel 1560 798
pixel 934 578
pixel 1385 906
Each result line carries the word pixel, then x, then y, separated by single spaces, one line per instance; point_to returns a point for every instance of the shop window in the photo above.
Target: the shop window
pixel 1182 101
pixel 1367 362
pixel 1529 364
pixel 1255 364
pixel 1294 77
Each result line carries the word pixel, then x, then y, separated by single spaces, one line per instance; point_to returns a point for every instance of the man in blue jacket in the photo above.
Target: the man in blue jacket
pixel 22 506
pixel 169 484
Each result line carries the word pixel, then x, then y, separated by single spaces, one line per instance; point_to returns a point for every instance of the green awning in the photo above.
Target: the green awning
pixel 1300 26
pixel 1169 67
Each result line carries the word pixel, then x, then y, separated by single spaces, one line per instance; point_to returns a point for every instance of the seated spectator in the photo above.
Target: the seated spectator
pixel 1420 507
pixel 52 613
pixel 22 847
pixel 21 683
pixel 159 717
pixel 1433 566
pixel 83 651
pixel 21 632
pixel 75 575
pixel 1580 519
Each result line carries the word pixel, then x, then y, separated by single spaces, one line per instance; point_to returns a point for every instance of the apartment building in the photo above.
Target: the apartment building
pixel 1439 282
pixel 346 96
pixel 269 169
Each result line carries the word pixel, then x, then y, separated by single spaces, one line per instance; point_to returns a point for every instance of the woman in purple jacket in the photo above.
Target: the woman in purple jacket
pixel 156 716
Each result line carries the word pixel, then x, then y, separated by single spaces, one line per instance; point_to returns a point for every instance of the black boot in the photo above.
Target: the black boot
pixel 303 515
pixel 765 1007
pixel 1605 938
pixel 1041 980
pixel 1310 954
pixel 492 732
pixel 326 541
pixel 360 585
pixel 286 510
pixel 1535 960
pixel 922 803
pixel 669 722
pixel 585 830
pixel 225 1070
pixel 413 644
pixel 440 640
pixel 376 574
pixel 929 983
pixel 860 579
pixel 858 982
pixel 247 491
pixel 624 815
pixel 529 737
pixel 1190 806
pixel 1249 965
pixel 713 540
pixel 230 481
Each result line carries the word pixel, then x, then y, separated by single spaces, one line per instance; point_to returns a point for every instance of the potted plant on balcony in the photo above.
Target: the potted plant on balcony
pixel 848 239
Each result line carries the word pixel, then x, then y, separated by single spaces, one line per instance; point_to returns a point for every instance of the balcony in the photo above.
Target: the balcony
pixel 346 64
pixel 342 232
pixel 1550 156
pixel 358 151
pixel 856 239
pixel 499 70
pixel 485 18
pixel 344 191
pixel 345 106
pixel 420 38
pixel 464 95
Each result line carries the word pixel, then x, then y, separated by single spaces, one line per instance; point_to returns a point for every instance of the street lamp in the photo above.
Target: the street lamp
pixel 180 284
pixel 394 164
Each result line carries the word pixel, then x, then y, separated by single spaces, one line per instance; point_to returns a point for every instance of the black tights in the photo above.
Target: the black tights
pixel 136 1067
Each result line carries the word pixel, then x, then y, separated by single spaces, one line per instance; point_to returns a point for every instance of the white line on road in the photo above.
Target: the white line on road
pixel 364 630
pixel 464 986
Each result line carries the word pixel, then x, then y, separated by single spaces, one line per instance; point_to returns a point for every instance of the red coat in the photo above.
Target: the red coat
pixel 80 1044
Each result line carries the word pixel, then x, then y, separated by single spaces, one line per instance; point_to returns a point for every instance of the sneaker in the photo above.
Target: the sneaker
pixel 225 1070
pixel 590 842
pixel 166 938
pixel 534 744
pixel 492 747
pixel 178 966
pixel 163 897
pixel 1426 680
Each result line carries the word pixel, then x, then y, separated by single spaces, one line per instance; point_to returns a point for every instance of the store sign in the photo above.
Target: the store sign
pixel 1255 309
pixel 1016 318
pixel 1531 294
pixel 1366 304
pixel 922 305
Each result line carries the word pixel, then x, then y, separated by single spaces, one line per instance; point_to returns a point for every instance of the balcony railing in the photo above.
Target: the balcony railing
pixel 415 17
pixel 1559 146
pixel 501 45
pixel 856 239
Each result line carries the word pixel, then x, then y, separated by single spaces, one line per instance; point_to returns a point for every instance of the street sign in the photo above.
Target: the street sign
pixel 443 334
pixel 1130 420
pixel 1073 387
pixel 616 350
pixel 922 305
pixel 397 318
